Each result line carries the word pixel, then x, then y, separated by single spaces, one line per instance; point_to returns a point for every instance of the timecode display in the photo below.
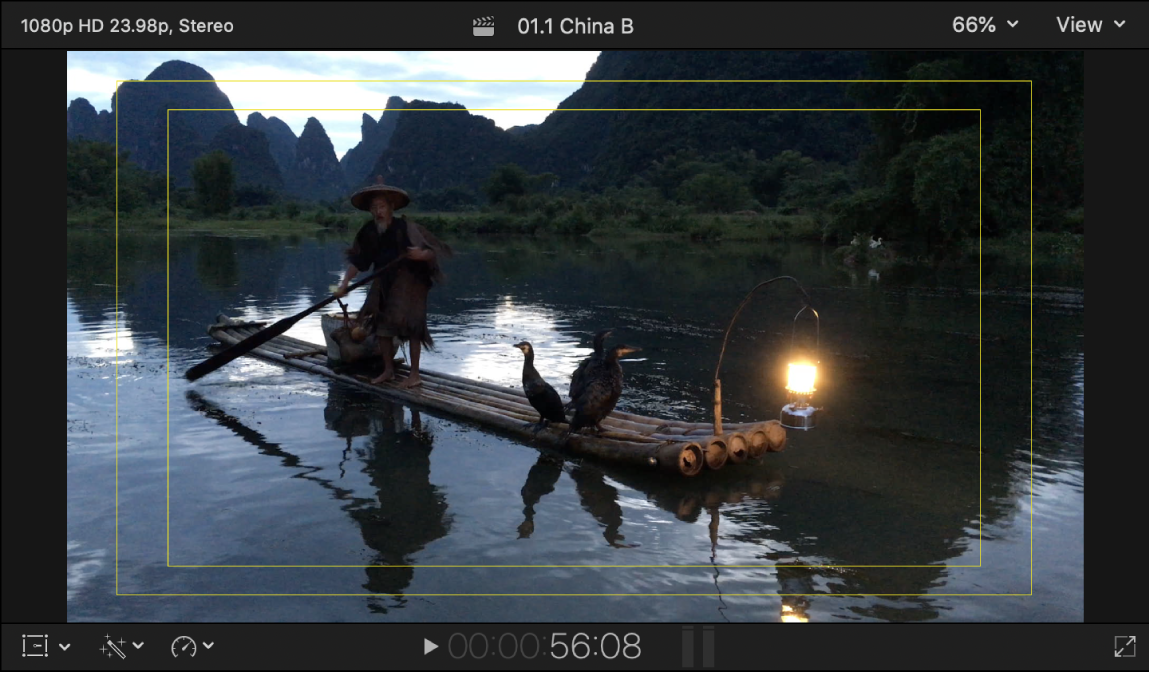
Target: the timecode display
pixel 554 645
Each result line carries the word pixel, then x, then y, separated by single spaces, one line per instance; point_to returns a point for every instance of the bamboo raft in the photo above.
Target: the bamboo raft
pixel 673 446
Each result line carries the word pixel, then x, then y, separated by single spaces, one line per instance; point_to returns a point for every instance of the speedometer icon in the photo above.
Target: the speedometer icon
pixel 183 646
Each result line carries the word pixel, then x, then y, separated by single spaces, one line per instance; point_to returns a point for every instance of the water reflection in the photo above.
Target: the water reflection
pixel 404 513
pixel 83 566
pixel 795 584
pixel 407 511
pixel 808 532
pixel 893 477
pixel 481 342
pixel 748 521
pixel 216 263
pixel 541 480
pixel 597 498
pixel 97 339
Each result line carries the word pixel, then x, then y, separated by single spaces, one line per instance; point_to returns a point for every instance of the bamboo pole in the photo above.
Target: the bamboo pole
pixel 618 418
pixel 501 393
pixel 490 401
pixel 497 398
pixel 303 354
pixel 714 447
pixel 529 414
pixel 627 437
pixel 235 324
pixel 451 403
pixel 776 437
pixel 513 400
pixel 517 405
pixel 526 414
pixel 700 438
pixel 715 451
pixel 674 425
pixel 738 447
pixel 510 400
pixel 683 458
pixel 758 441
pixel 516 392
pixel 718 403
pixel 686 459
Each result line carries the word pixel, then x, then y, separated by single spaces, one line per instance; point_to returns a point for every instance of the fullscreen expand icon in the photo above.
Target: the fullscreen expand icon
pixel 1125 646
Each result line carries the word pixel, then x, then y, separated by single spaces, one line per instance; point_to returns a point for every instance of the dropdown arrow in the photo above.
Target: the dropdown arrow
pixel 208 645
pixel 137 645
pixel 1119 23
pixel 64 646
pixel 1012 24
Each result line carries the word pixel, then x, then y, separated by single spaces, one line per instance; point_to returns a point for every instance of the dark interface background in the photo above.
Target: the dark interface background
pixel 782 328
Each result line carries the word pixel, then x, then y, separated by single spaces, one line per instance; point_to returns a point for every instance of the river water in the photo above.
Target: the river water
pixel 265 494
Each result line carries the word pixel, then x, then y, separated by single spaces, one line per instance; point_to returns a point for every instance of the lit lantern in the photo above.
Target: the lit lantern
pixel 800 380
pixel 798 414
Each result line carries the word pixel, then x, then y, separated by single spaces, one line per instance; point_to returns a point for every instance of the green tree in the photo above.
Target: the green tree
pixel 946 185
pixel 816 189
pixel 254 195
pixel 768 178
pixel 669 173
pixel 543 182
pixel 861 212
pixel 714 192
pixel 447 199
pixel 91 174
pixel 506 180
pixel 214 182
pixel 92 179
pixel 1055 127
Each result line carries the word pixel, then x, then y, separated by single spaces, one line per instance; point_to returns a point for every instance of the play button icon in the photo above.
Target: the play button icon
pixel 428 646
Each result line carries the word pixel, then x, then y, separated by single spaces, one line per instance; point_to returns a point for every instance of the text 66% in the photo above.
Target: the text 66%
pixel 974 24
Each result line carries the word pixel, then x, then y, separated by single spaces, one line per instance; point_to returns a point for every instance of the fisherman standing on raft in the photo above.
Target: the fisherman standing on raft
pixel 396 306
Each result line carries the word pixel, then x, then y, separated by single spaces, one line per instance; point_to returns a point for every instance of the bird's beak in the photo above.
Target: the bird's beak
pixel 630 349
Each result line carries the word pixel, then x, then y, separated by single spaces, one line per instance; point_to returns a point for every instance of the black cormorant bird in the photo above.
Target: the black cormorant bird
pixel 540 394
pixel 578 379
pixel 603 386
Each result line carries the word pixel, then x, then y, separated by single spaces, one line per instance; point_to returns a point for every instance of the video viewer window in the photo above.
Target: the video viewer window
pixel 499 309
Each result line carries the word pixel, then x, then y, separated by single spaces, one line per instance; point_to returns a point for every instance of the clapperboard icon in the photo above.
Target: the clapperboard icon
pixel 484 26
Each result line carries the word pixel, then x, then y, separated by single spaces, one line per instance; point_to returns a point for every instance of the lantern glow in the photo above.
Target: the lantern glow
pixel 800 379
pixel 802 374
pixel 792 616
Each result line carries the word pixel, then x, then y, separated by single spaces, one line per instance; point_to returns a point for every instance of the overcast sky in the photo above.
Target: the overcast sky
pixel 93 75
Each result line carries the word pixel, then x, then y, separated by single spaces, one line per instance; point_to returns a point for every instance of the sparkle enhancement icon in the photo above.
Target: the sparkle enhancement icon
pixel 109 647
pixel 1124 646
pixel 484 26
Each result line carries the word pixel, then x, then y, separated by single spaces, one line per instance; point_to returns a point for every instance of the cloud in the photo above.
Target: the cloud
pixel 92 75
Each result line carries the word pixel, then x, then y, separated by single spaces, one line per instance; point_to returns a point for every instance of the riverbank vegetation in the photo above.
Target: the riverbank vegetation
pixel 945 174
